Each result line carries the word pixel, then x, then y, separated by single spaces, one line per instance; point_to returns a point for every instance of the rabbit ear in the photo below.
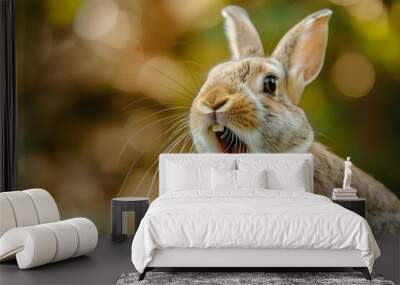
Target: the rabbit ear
pixel 243 38
pixel 302 51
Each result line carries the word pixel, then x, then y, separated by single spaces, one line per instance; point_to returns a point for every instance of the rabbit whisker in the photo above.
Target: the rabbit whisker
pixel 143 128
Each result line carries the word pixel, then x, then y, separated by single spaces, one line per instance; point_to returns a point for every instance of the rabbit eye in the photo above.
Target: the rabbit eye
pixel 269 84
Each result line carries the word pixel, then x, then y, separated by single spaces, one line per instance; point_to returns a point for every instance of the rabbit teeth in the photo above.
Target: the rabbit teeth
pixel 228 141
pixel 217 128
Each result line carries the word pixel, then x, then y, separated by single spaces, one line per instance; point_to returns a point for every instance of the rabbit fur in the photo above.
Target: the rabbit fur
pixel 233 97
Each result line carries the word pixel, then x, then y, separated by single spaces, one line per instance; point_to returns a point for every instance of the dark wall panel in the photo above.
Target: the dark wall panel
pixel 8 98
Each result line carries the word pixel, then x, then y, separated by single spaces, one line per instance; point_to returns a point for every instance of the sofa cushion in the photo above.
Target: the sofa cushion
pixel 40 244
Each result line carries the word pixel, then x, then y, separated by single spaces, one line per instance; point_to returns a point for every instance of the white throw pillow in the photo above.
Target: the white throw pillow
pixel 181 177
pixel 226 179
pixel 291 179
pixel 291 175
pixel 223 179
pixel 251 178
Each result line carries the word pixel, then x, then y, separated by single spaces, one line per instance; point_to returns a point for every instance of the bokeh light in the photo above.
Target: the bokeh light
pixel 353 75
pixel 367 10
pixel 202 14
pixel 96 18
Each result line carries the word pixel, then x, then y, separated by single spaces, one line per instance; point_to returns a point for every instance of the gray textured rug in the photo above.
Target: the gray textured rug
pixel 232 278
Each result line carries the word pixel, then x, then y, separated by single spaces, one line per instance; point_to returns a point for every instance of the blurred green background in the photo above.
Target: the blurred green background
pixel 105 85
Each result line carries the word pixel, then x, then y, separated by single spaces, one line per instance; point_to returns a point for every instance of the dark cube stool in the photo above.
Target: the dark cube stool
pixel 139 205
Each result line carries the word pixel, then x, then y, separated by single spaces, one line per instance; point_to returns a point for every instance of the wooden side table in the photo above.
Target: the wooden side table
pixel 139 205
pixel 358 206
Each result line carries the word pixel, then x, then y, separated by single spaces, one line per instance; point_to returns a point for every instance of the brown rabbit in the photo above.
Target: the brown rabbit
pixel 250 104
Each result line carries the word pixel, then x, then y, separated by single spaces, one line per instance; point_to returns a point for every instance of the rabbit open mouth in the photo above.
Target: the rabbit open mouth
pixel 229 141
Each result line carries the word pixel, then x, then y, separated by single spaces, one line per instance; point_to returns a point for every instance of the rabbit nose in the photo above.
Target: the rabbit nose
pixel 216 103
pixel 215 98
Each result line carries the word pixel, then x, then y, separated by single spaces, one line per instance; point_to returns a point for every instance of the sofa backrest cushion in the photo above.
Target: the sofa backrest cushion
pixel 26 208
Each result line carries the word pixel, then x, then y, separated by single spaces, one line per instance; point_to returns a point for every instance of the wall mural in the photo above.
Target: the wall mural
pixel 250 104
pixel 106 86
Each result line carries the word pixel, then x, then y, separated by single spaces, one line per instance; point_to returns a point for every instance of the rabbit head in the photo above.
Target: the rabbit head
pixel 250 103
